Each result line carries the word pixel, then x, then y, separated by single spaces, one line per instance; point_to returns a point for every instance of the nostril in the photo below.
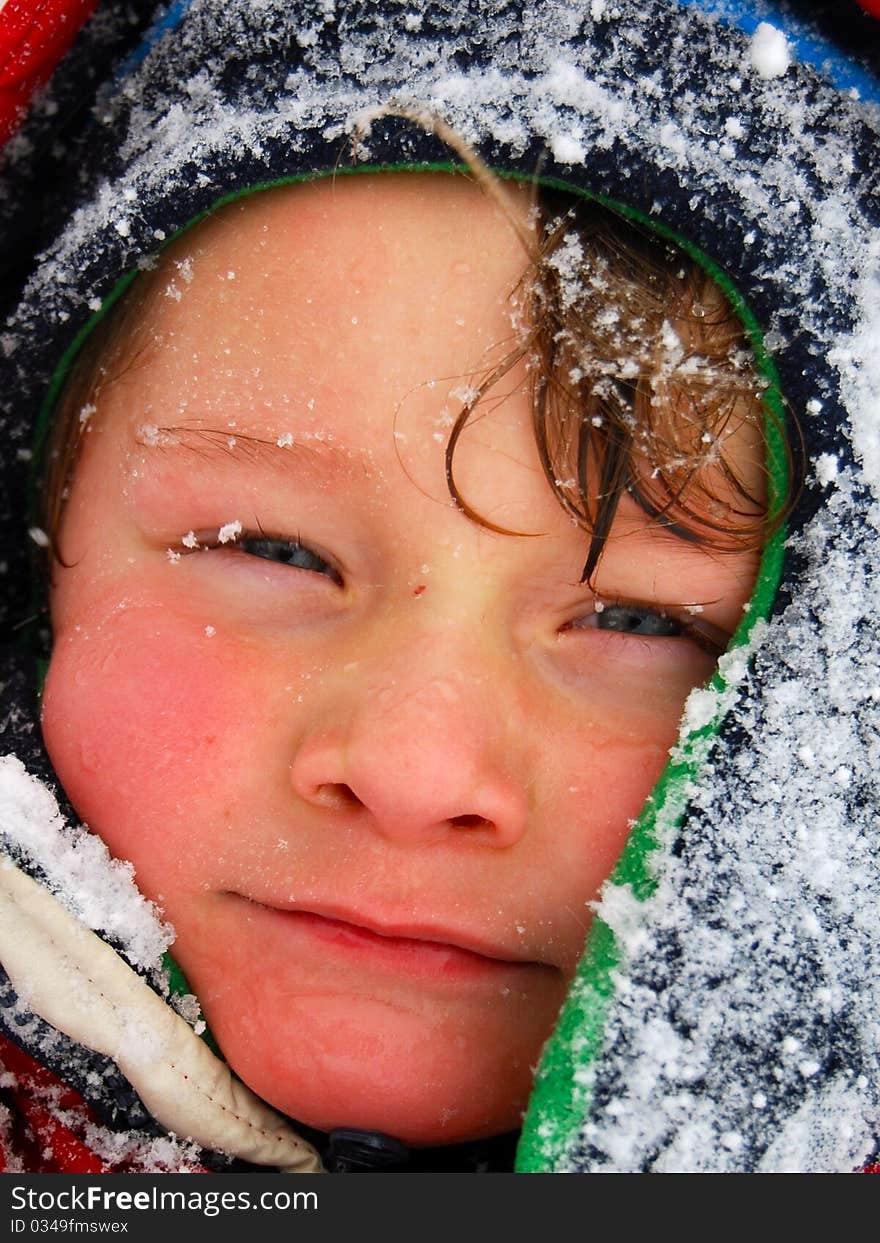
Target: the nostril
pixel 337 796
pixel 469 822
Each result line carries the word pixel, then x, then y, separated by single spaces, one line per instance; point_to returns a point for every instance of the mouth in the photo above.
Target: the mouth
pixel 410 948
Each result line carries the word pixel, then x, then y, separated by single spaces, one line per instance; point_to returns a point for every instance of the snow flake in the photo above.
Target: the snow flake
pixel 229 532
pixel 769 51
pixel 826 468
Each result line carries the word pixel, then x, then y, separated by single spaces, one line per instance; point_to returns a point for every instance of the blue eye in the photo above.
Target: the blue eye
pixel 287 552
pixel 643 622
pixel 628 619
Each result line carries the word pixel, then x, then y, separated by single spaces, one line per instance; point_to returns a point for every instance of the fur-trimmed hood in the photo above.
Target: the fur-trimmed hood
pixel 725 1016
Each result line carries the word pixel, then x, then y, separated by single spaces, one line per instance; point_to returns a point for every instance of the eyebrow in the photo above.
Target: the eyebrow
pixel 310 458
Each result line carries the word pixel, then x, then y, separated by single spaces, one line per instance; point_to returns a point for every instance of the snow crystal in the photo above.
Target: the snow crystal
pixel 152 436
pixel 229 531
pixel 187 1006
pixel 700 709
pixel 826 468
pixel 769 51
pixel 567 149
pixel 39 536
pixel 147 434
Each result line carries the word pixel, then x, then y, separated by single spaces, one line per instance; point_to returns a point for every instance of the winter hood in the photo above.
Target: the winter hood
pixel 725 1014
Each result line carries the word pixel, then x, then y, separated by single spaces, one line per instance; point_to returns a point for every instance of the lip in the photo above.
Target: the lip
pixel 408 947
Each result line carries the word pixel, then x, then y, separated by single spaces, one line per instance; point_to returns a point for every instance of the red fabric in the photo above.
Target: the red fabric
pixel 47 1124
pixel 37 1142
pixel 34 36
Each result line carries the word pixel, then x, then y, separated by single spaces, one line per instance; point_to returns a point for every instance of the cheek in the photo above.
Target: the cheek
pixel 597 781
pixel 600 774
pixel 139 720
pixel 621 772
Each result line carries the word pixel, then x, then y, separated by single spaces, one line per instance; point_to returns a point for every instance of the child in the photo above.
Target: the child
pixel 394 517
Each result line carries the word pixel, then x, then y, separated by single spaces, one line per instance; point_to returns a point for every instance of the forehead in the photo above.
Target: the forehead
pixel 339 304
pixel 340 264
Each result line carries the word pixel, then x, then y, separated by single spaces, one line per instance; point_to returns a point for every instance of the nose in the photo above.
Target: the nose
pixel 417 754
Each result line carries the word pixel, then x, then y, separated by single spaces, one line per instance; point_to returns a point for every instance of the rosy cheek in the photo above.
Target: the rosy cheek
pixel 601 776
pixel 597 786
pixel 620 779
pixel 138 718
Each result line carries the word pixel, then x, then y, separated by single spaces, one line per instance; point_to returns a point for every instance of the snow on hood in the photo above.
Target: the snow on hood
pixel 77 867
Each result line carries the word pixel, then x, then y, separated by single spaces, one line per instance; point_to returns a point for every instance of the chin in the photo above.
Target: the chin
pixel 406 1081
pixel 410 1112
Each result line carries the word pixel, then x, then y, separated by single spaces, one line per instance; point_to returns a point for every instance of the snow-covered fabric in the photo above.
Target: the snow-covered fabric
pixel 726 1014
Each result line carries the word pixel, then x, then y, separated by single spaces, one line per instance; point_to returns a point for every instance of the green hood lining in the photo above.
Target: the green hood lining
pixel 560 1098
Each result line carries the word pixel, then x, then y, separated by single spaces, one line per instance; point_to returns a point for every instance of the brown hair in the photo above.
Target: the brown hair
pixel 638 369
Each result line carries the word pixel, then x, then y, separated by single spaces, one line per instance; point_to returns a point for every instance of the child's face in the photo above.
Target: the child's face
pixel 376 792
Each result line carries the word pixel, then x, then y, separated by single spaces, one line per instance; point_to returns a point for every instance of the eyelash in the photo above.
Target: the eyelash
pixel 258 544
pixel 679 629
pixel 301 556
